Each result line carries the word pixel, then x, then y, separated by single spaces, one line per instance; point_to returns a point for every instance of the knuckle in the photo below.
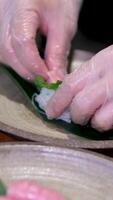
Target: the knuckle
pixel 68 84
pixel 82 104
pixel 79 112
pixel 21 39
pixel 58 52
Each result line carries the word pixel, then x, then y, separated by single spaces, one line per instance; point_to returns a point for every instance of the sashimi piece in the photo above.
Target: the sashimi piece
pixel 29 190
pixel 7 198
pixel 47 90
pixel 43 98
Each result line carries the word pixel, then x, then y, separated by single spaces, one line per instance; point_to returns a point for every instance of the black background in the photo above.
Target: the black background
pixel 96 20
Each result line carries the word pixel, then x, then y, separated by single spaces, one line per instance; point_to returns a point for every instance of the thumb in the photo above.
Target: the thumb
pixel 56 53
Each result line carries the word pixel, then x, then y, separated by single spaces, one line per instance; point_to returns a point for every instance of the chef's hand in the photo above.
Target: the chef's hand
pixel 19 22
pixel 88 92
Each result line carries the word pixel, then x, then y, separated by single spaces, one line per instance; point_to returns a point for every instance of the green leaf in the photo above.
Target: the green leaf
pixel 2 189
pixel 41 83
pixel 54 86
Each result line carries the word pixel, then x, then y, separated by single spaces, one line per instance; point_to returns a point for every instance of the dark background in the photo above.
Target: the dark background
pixel 96 20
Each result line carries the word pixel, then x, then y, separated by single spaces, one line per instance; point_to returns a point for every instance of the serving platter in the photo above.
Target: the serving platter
pixel 76 174
pixel 19 118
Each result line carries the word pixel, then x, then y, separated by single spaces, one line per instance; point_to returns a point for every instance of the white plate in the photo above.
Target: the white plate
pixel 78 175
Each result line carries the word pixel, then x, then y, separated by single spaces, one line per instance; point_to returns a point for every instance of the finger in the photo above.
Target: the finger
pixel 16 66
pixel 23 42
pixel 72 84
pixel 87 74
pixel 85 103
pixel 57 50
pixel 103 118
pixel 30 59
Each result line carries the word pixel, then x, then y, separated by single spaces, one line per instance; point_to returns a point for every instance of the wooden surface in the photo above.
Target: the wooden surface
pixel 4 137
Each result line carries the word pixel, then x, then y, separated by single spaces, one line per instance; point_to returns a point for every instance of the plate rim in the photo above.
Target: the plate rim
pixel 71 142
pixel 62 150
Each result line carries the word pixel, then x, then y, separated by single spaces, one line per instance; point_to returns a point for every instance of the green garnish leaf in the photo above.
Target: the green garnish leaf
pixel 2 189
pixel 41 83
pixel 54 86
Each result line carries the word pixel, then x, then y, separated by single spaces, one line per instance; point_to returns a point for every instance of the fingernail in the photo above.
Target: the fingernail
pixel 55 75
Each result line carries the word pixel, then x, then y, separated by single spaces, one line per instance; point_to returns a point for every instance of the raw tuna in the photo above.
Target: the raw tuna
pixel 29 190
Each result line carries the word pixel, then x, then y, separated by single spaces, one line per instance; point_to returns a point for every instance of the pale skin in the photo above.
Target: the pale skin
pixel 19 23
pixel 88 91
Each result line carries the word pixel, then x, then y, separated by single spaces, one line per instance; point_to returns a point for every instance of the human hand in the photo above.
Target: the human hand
pixel 19 23
pixel 88 92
